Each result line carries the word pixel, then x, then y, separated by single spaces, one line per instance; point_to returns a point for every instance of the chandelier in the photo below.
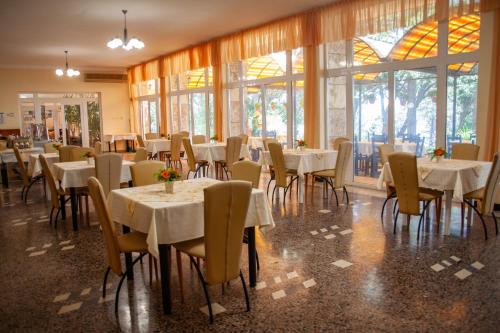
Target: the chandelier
pixel 70 72
pixel 125 43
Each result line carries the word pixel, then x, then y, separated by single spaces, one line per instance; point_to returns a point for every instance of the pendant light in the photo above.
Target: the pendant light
pixel 125 43
pixel 70 72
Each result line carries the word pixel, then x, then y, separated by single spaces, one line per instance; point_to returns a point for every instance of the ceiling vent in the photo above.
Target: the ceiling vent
pixel 105 77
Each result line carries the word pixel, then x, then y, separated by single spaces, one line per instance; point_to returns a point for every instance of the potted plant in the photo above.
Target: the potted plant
pixel 168 176
pixel 301 144
pixel 90 157
pixel 438 154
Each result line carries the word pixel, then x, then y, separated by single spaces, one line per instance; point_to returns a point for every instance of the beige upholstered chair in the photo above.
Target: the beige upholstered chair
pixel 267 141
pixel 405 177
pixel 194 165
pixel 140 141
pixel 77 153
pixel 184 134
pixel 465 151
pixel 48 147
pixel 98 148
pixel 143 173
pixel 336 177
pixel 65 153
pixel 141 154
pixel 108 171
pixel 244 138
pixel 174 158
pixel 233 150
pixel 384 150
pixel 281 173
pixel 3 145
pixel 486 195
pixel 152 136
pixel 248 171
pixel 115 245
pixel 28 181
pixel 338 140
pixel 197 139
pixel 56 194
pixel 226 206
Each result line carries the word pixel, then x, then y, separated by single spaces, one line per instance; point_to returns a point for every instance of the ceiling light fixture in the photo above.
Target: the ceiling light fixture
pixel 70 72
pixel 125 43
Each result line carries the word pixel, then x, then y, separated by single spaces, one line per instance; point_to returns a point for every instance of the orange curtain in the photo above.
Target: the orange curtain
pixel 493 112
pixel 218 90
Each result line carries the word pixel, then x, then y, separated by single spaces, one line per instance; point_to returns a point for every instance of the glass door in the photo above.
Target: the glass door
pixel 253 110
pixel 276 112
pixel 73 133
pixel 149 116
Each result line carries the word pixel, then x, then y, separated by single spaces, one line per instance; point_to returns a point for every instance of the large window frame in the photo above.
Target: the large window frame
pixel 441 62
pixel 289 78
pixel 149 98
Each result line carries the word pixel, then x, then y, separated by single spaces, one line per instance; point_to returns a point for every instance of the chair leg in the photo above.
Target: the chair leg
pixel 87 210
pixel 80 210
pixel 462 210
pixel 179 273
pixel 245 290
pixel 422 217
pixel 395 221
pixel 336 197
pixel 204 284
pixel 33 181
pixel 124 275
pixel 480 217
pixel 22 192
pixel 496 225
pixel 383 207
pixel 57 215
pixel 346 194
pixel 51 213
pixel 105 282
pixel 257 259
pixel 150 266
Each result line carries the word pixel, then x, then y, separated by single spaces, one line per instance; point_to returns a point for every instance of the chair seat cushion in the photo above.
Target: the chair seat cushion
pixel 291 172
pixel 194 247
pixel 133 242
pixel 330 173
pixel 477 194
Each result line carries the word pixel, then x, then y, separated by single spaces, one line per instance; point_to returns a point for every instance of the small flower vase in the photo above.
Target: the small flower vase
pixel 300 148
pixel 90 160
pixel 169 187
pixel 437 159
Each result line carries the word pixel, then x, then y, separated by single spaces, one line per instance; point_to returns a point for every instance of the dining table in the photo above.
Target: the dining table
pixel 8 156
pixel 452 176
pixel 212 152
pixel 73 175
pixel 127 137
pixel 365 147
pixel 169 218
pixel 34 165
pixel 305 161
pixel 154 146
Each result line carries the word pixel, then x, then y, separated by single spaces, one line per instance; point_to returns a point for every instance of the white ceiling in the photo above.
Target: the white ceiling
pixel 35 33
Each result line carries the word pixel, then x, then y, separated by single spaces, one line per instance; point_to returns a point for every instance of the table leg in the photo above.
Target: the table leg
pixel 115 146
pixel 62 201
pixel 447 214
pixel 252 254
pixel 5 177
pixel 109 146
pixel 128 257
pixel 166 295
pixel 133 145
pixel 301 188
pixel 74 208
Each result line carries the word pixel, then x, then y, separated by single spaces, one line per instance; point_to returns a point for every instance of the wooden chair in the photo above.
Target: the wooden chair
pixel 143 173
pixel 244 138
pixel 405 177
pixel 384 151
pixel 48 147
pixel 335 178
pixel 226 205
pixel 233 150
pixel 108 171
pixel 486 196
pixel 140 141
pixel 28 181
pixel 184 134
pixel 194 165
pixel 152 136
pixel 57 195
pixel 281 173
pixel 141 154
pixel 267 141
pixel 174 157
pixel 65 153
pixel 337 141
pixel 98 147
pixel 465 151
pixel 77 153
pixel 197 139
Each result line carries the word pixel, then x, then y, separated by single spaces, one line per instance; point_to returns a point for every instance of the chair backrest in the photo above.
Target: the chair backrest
pixel 98 147
pixel 3 144
pixel 337 141
pixel 140 141
pixel 175 147
pixel 465 151
pixel 244 138
pixel 248 171
pixel 226 206
pixel 143 173
pixel 191 161
pixel 108 228
pixel 405 179
pixel 65 153
pixel 152 136
pixel 267 141
pixel 141 154
pixel 384 150
pixel 49 178
pixel 197 139
pixel 492 185
pixel 344 155
pixel 78 152
pixel 233 150
pixel 22 167
pixel 48 147
pixel 278 163
pixel 184 134
pixel 108 169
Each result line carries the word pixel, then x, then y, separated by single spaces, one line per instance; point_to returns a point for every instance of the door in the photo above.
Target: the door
pixel 73 125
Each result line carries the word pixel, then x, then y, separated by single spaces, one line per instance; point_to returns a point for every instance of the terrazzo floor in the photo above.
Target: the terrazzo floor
pixel 323 269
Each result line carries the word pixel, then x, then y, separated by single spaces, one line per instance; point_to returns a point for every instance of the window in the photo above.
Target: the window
pixel 148 106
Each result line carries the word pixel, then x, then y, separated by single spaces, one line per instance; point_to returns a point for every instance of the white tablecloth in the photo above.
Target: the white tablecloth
pixel 117 137
pixel 212 152
pixel 365 147
pixel 76 174
pixel 255 142
pixel 8 156
pixel 34 165
pixel 306 161
pixel 172 218
pixel 156 145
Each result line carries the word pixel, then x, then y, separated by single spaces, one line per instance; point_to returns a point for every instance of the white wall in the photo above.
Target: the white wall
pixel 114 96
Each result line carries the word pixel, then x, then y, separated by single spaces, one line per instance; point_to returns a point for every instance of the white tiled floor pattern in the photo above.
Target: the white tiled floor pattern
pixel 462 273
